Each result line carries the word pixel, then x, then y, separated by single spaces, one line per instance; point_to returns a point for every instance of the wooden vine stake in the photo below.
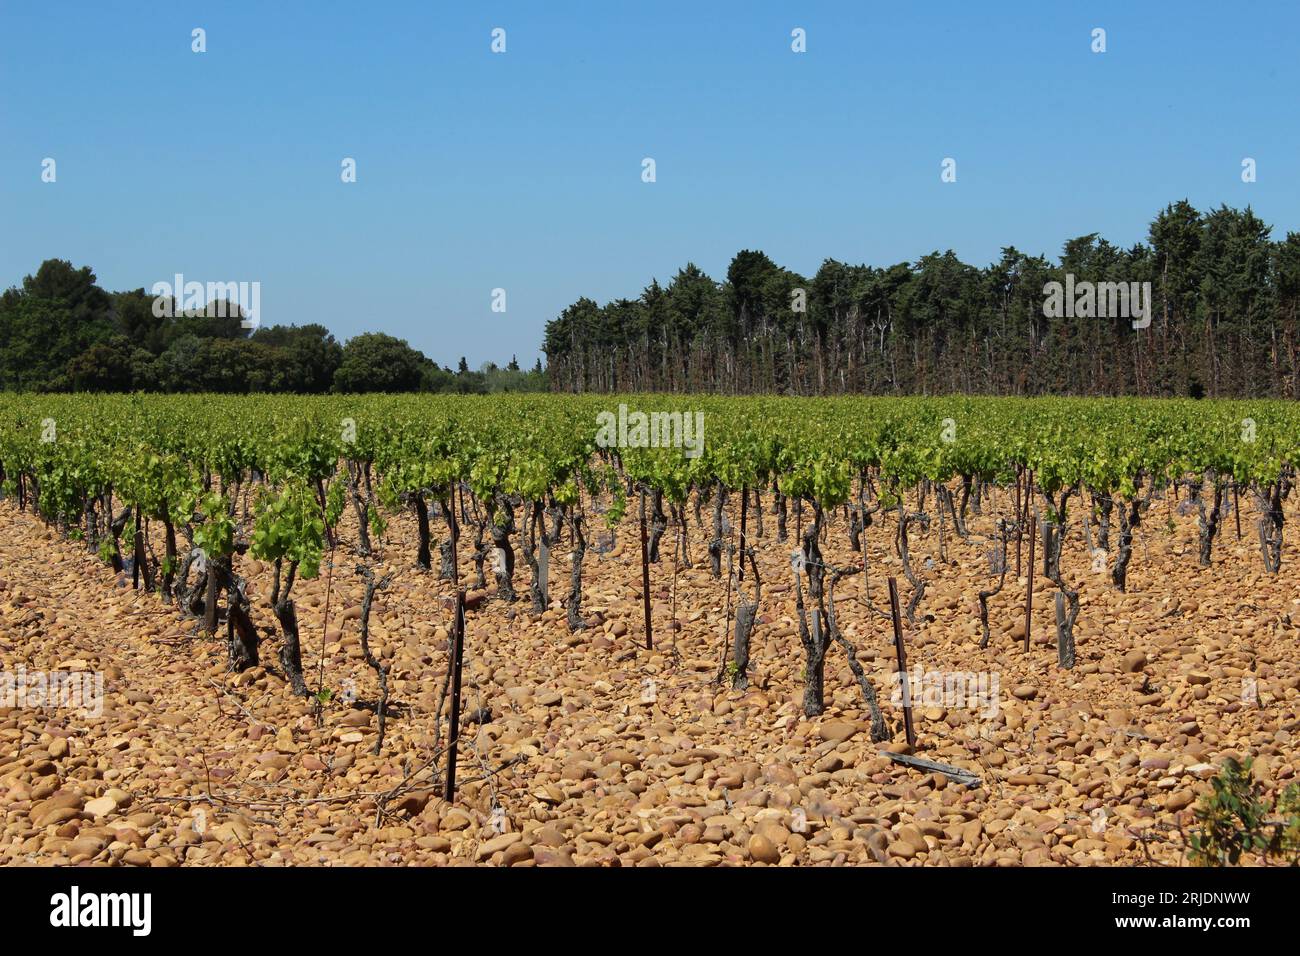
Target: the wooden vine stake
pixel 458 656
pixel 1020 528
pixel 1029 590
pixel 744 502
pixel 645 578
pixel 457 653
pixel 1236 506
pixel 901 653
pixel 137 551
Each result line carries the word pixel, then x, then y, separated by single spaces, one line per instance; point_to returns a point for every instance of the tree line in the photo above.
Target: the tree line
pixel 61 332
pixel 1223 323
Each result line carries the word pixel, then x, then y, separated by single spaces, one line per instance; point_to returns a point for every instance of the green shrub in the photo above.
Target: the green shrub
pixel 1238 819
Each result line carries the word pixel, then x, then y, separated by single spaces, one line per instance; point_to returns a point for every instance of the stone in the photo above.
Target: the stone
pixel 837 731
pixel 763 850
pixel 1134 661
pixel 102 806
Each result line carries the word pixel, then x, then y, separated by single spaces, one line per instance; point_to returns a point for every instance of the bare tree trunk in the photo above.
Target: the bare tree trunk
pixel 1207 522
pixel 1056 542
pixel 362 509
pixel 503 568
pixel 879 730
pixel 1271 520
pixel 1064 631
pixel 287 614
pixel 746 612
pixel 1002 578
pixel 1130 516
pixel 815 637
pixel 241 635
pixel 381 670
pixel 1104 505
pixel 538 565
pixel 715 544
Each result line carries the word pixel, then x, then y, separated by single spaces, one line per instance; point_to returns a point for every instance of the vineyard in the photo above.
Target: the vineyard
pixel 428 629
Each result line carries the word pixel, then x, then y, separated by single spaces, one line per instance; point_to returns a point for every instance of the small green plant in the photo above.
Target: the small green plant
pixel 378 523
pixel 107 549
pixel 335 500
pixel 1238 819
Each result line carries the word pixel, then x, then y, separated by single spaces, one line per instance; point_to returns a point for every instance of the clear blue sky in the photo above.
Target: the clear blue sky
pixel 523 170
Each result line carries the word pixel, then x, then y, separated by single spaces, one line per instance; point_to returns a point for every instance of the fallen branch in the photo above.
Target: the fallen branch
pixel 955 774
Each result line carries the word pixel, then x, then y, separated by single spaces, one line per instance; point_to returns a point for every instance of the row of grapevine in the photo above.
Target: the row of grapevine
pixel 176 489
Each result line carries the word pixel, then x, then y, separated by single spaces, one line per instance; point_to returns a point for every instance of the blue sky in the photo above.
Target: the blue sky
pixel 523 170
